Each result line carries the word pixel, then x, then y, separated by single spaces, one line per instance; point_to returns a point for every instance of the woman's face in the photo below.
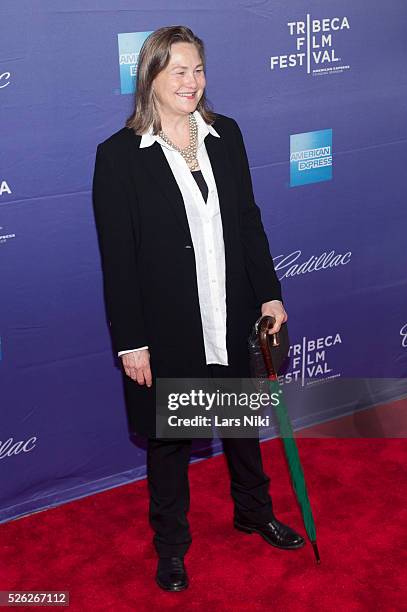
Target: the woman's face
pixel 183 75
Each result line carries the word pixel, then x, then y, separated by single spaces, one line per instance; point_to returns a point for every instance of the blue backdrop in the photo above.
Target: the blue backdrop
pixel 319 90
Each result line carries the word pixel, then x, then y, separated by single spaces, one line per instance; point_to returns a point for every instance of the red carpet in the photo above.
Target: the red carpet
pixel 99 548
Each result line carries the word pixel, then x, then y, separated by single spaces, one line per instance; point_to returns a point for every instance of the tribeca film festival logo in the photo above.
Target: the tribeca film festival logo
pixel 292 265
pixel 129 44
pixel 309 361
pixel 310 157
pixel 313 46
pixel 10 448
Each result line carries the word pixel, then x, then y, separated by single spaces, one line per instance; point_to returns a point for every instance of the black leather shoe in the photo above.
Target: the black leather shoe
pixel 171 574
pixel 274 532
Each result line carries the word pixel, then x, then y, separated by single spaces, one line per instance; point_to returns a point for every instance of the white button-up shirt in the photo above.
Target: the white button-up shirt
pixel 205 226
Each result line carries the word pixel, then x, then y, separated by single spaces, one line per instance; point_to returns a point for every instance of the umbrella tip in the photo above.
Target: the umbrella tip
pixel 316 552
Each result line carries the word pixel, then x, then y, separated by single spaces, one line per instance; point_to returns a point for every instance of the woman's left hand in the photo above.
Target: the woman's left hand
pixel 276 310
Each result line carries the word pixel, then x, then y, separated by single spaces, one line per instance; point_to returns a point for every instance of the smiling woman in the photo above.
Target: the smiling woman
pixel 187 271
pixel 177 89
pixel 171 68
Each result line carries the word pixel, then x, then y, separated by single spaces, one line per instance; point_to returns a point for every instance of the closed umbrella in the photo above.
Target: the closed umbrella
pixel 274 348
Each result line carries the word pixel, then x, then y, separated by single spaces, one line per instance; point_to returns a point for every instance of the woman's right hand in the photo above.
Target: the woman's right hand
pixel 137 366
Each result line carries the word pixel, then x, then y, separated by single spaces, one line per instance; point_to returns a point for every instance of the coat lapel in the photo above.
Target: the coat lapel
pixel 155 163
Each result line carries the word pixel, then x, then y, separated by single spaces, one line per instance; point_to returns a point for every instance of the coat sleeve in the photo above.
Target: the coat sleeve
pixel 258 260
pixel 118 255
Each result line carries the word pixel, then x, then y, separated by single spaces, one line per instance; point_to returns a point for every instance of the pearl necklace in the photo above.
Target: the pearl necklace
pixel 190 152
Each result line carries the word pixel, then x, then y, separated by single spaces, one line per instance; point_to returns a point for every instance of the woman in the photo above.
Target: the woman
pixel 187 271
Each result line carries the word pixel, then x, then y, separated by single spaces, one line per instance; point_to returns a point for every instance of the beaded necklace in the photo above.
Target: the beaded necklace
pixel 190 152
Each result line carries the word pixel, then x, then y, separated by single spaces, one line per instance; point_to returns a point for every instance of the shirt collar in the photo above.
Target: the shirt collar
pixel 148 138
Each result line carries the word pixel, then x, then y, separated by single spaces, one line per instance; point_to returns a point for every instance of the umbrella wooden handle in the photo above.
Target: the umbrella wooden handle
pixel 266 322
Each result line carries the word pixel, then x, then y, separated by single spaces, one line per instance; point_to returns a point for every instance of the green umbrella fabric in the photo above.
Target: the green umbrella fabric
pixel 285 428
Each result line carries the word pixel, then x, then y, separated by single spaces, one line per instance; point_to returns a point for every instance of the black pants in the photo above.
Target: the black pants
pixel 167 473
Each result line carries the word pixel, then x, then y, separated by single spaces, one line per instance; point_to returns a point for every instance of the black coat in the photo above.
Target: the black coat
pixel 148 264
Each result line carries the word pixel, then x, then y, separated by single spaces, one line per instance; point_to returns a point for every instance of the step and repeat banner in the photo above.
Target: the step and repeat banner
pixel 320 93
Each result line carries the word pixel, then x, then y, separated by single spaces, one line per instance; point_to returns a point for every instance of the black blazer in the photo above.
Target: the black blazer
pixel 148 264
